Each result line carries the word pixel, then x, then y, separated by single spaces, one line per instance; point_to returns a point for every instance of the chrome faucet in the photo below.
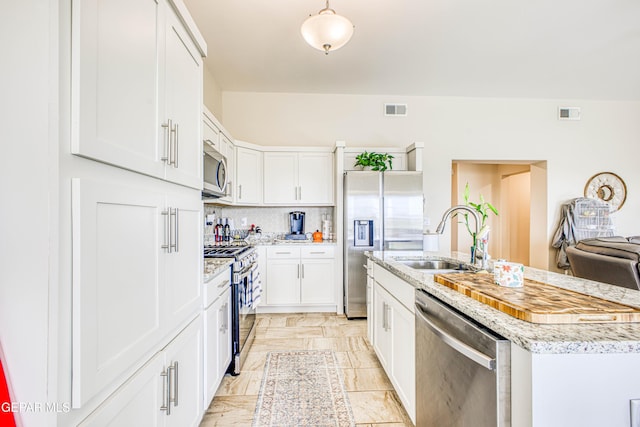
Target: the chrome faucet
pixel 448 213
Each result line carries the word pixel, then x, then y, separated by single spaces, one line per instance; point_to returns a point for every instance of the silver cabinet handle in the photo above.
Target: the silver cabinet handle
pixel 298 271
pixel 174 369
pixel 240 191
pixel 462 348
pixel 167 231
pixel 175 148
pixel 176 229
pixel 300 193
pixel 167 141
pixel 166 385
pixel 303 271
pixel 384 315
pixel 388 317
pixel 223 284
pixel 283 253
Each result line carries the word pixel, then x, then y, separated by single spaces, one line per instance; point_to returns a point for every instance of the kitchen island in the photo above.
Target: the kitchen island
pixel 561 374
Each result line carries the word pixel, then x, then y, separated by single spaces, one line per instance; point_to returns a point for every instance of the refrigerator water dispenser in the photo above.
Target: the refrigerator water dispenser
pixel 363 232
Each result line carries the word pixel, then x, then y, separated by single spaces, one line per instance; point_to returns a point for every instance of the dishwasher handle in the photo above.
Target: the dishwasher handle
pixel 462 348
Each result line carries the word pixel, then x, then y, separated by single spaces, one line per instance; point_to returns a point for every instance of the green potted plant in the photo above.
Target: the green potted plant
pixel 376 161
pixel 483 208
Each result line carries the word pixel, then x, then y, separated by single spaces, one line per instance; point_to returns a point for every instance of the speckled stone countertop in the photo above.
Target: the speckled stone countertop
pixel 214 266
pixel 537 338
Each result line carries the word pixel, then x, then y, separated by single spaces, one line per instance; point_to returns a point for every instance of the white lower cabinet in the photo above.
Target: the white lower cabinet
pixel 165 392
pixel 394 333
pixel 217 333
pixel 300 276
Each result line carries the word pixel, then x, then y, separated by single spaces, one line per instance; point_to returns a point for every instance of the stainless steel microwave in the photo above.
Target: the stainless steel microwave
pixel 214 173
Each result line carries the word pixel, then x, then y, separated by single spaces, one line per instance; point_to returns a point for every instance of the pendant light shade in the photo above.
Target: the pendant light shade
pixel 327 30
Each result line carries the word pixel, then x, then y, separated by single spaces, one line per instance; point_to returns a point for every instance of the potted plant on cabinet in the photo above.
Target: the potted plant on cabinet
pixel 375 161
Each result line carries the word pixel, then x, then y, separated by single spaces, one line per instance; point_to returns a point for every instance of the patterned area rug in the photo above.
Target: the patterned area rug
pixel 302 388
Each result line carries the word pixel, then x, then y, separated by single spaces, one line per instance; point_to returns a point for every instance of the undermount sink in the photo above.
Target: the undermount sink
pixel 435 265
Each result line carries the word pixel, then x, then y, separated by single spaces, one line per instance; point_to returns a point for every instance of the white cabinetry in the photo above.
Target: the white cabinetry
pixel 298 177
pixel 300 276
pixel 394 333
pixel 217 336
pixel 136 89
pixel 163 393
pixel 248 186
pixel 136 276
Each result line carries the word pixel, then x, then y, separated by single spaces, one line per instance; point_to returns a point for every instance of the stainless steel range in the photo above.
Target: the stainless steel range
pixel 245 296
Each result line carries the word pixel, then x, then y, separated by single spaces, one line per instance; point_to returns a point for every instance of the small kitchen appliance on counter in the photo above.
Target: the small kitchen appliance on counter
pixel 296 224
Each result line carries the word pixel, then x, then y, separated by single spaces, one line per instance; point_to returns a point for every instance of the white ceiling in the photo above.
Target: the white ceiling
pixel 582 49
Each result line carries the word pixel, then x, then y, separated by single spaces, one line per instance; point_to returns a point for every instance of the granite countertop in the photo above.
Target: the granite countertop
pixel 537 338
pixel 214 266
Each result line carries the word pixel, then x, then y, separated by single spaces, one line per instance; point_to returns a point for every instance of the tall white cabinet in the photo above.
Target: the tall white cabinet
pixel 130 332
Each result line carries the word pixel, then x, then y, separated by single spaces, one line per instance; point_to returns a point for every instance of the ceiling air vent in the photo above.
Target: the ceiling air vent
pixel 395 109
pixel 568 113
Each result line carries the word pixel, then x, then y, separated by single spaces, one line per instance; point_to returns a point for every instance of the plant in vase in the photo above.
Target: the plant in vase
pixel 376 161
pixel 483 208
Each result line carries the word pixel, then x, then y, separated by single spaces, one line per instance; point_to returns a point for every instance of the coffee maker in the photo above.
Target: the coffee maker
pixel 296 225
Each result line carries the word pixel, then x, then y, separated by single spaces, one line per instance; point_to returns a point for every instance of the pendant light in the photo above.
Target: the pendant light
pixel 327 30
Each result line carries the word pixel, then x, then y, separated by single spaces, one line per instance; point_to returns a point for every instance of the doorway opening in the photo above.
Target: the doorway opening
pixel 518 190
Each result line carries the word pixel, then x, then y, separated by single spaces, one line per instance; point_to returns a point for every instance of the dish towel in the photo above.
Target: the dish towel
pixel 256 291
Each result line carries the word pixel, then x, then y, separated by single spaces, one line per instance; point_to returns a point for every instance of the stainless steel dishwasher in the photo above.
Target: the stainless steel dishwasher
pixel 463 372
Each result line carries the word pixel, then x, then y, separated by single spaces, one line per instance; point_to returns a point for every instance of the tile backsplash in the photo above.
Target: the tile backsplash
pixel 272 219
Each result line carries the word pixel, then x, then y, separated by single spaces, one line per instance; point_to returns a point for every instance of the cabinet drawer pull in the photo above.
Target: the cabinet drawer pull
pixel 283 253
pixel 223 284
pixel 317 252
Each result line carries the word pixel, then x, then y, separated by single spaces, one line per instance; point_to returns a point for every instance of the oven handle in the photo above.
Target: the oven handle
pixel 246 273
pixel 462 348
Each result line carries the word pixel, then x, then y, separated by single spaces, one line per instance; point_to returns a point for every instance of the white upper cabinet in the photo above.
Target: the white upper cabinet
pixel 248 176
pixel 136 89
pixel 298 177
pixel 183 106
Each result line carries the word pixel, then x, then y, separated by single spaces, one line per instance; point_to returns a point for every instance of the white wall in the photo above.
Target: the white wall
pixel 212 93
pixel 606 139
pixel 28 189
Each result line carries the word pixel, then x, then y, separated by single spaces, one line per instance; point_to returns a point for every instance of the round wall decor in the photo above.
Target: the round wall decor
pixel 607 186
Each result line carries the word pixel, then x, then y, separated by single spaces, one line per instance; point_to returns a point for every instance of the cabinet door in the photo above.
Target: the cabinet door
pixel 136 403
pixel 403 361
pixel 315 178
pixel 114 92
pixel 381 330
pixel 224 333
pixel 116 286
pixel 248 176
pixel 183 106
pixel 183 360
pixel 280 177
pixel 211 374
pixel 182 262
pixel 283 281
pixel 317 285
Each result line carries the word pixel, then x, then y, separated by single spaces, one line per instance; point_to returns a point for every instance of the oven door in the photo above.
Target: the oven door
pixel 244 316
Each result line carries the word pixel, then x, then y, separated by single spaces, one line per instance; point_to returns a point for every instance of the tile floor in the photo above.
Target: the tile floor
pixel 373 400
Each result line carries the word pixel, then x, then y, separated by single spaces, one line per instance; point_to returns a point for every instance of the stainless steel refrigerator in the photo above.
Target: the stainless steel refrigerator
pixel 382 211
